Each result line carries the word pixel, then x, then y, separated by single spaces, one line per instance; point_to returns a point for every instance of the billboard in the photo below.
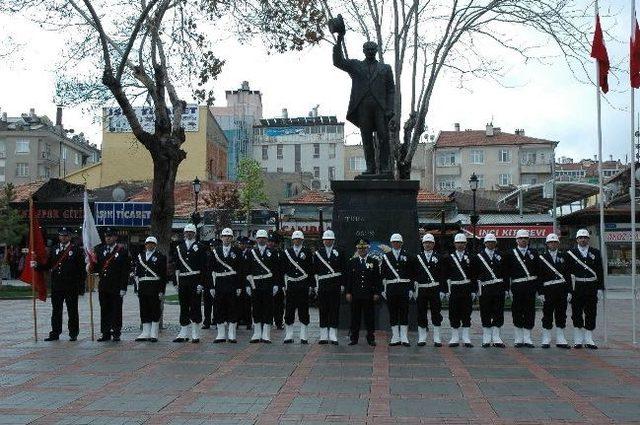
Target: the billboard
pixel 116 122
pixel 125 214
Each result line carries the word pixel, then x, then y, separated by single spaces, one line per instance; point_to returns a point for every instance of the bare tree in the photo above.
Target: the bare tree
pixel 427 39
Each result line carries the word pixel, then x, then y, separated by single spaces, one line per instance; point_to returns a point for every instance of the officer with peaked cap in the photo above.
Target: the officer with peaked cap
pixel 555 291
pixel 430 290
pixel 462 291
pixel 273 243
pixel 150 270
pixel 587 280
pixel 296 264
pixel 488 271
pixel 190 260
pixel 328 266
pixel 522 270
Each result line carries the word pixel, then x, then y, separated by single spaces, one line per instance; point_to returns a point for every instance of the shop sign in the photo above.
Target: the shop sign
pixel 307 227
pixel 620 236
pixel 57 214
pixel 126 214
pixel 509 232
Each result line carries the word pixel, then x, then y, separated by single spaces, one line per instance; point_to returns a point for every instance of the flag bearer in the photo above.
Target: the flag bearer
pixel 328 271
pixel 150 270
pixel 430 291
pixel 462 291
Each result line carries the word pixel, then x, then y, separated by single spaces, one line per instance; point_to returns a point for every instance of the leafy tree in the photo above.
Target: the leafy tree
pixel 225 198
pixel 13 227
pixel 252 185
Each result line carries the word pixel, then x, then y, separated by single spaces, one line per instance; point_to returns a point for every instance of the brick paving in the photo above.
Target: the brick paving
pixel 187 384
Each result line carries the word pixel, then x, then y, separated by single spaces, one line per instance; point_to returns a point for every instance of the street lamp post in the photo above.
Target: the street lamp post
pixel 195 217
pixel 473 184
pixel 320 220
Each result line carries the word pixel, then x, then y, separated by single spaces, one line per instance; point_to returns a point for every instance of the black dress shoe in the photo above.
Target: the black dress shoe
pixel 73 338
pixel 529 345
pixel 52 338
pixel 372 343
pixel 565 346
pixel 219 341
pixel 232 341
pixel 334 342
pixel 421 344
pixel 486 345
pixel 353 342
pixel 254 341
pixel 116 338
pixel 577 346
pixel 104 338
pixel 518 345
pixel 406 344
pixel 181 340
pixel 591 346
pixel 499 345
pixel 468 345
pixel 437 344
pixel 287 341
pixel 265 341
pixel 304 342
pixel 545 346
pixel 323 342
pixel 152 340
pixel 394 344
pixel 454 344
pixel 195 341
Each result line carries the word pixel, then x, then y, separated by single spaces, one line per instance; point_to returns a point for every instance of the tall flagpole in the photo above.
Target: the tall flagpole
pixel 632 182
pixel 33 283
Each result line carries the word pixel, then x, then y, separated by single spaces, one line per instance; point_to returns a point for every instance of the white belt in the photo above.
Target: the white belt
pixel 524 279
pixel 328 276
pixel 553 282
pixel 458 282
pixel 387 281
pixel 585 279
pixel 490 282
pixel 148 278
pixel 428 285
pixel 192 273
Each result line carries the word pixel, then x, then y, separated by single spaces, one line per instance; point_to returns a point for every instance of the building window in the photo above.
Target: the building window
pixel 447 184
pixel 64 153
pixel 480 181
pixel 504 155
pixel 265 153
pixel 3 149
pixel 316 150
pixel 316 172
pixel 279 152
pixel 22 147
pixel 477 156
pixel 528 158
pixel 331 129
pixel 2 170
pixel 357 163
pixel 297 155
pixel 315 129
pixel 77 159
pixel 22 169
pixel 505 179
pixel 45 172
pixel 279 170
pixel 446 159
pixel 332 151
pixel 332 173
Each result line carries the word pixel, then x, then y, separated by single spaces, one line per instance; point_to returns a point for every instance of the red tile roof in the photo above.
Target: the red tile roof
pixel 425 196
pixel 456 139
pixel 24 191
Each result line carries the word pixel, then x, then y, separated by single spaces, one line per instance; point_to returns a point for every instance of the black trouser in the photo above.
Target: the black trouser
pixel 150 307
pixel 262 304
pixel 429 299
pixel 70 298
pixel 297 298
pixel 244 307
pixel 362 309
pixel 371 117
pixel 460 307
pixel 190 303
pixel 329 307
pixel 110 313
pixel 584 308
pixel 555 304
pixel 492 306
pixel 210 310
pixel 523 307
pixel 225 304
pixel 278 308
pixel 398 305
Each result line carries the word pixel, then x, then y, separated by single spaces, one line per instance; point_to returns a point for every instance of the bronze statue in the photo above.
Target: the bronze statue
pixel 371 104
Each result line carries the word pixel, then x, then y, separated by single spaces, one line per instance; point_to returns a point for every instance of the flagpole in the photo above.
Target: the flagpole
pixel 632 182
pixel 33 284
pixel 90 281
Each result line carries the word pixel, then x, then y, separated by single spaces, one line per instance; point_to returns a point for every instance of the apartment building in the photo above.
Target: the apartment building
pixel 33 148
pixel 500 160
pixel 586 170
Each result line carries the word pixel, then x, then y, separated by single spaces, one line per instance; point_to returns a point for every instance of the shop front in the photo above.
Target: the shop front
pixel 617 237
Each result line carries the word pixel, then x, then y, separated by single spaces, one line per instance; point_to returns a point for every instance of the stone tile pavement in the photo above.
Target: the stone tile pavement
pixel 143 383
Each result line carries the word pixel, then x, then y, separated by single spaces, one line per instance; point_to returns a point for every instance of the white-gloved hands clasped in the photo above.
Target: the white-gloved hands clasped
pixel 275 290
pixel 199 289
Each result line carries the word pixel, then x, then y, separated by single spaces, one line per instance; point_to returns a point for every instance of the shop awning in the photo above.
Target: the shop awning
pixel 533 199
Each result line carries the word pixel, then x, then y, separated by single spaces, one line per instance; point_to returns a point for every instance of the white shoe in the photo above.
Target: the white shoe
pixel 518 337
pixel 588 340
pixel 465 338
pixel 436 336
pixel 577 337
pixel 222 333
pixel 303 334
pixel 324 336
pixel 495 337
pixel 266 333
pixel 183 335
pixel 395 336
pixel 546 338
pixel 257 332
pixel 486 337
pixel 155 327
pixel 195 333
pixel 146 332
pixel 333 336
pixel 455 338
pixel 288 334
pixel 404 337
pixel 422 336
pixel 526 338
pixel 232 332
pixel 561 341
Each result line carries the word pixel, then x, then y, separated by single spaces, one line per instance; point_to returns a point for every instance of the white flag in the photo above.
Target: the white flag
pixel 90 236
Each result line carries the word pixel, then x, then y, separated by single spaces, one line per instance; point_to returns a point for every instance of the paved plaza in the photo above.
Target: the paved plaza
pixel 165 383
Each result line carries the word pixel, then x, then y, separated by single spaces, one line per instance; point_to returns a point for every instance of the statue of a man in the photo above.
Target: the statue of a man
pixel 371 104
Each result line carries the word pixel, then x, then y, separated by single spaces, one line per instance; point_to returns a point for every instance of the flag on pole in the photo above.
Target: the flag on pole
pixel 90 236
pixel 634 56
pixel 37 252
pixel 599 53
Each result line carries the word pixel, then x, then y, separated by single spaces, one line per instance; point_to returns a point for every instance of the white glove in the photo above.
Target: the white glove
pixel 248 289
pixel 173 283
pixel 212 292
pixel 238 292
pixel 541 298
pixel 34 264
pixel 600 294
pixel 507 294
pixel 384 294
pixel 569 297
pixel 443 296
pixel 275 290
pixel 474 297
pixel 87 267
pixel 410 295
pixel 122 293
pixel 311 291
pixel 160 296
pixel 342 289
pixel 199 289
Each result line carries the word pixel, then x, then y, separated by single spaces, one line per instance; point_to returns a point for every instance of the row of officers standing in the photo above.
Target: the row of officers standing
pixel 227 273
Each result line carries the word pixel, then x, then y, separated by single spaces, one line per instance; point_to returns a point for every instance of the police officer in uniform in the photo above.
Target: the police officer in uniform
pixel 430 290
pixel 296 264
pixel 461 289
pixel 273 243
pixel 225 266
pixel 112 267
pixel 555 290
pixel 487 268
pixel 66 264
pixel 328 266
pixel 587 279
pixel 190 261
pixel 522 270
pixel 209 312
pixel 244 303
pixel 261 272
pixel 363 288
pixel 150 271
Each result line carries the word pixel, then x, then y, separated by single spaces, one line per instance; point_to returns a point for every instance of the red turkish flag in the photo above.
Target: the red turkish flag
pixel 634 57
pixel 38 253
pixel 599 53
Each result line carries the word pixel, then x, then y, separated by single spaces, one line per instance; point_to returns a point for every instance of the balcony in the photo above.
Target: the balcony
pixel 47 158
pixel 449 170
pixel 535 168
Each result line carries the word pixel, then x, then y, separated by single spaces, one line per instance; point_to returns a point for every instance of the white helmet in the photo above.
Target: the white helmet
pixel 490 237
pixel 262 234
pixel 460 237
pixel 522 233
pixel 328 234
pixel 151 239
pixel 226 232
pixel 552 237
pixel 583 233
pixel 396 237
pixel 297 235
pixel 428 238
pixel 190 228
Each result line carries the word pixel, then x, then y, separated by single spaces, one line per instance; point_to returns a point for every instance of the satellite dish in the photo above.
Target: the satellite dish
pixel 118 194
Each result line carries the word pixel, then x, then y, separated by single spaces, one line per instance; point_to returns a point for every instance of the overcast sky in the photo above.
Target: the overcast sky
pixel 548 102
